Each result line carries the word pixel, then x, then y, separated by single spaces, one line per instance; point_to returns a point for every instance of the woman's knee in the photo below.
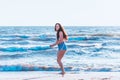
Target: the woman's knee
pixel 58 60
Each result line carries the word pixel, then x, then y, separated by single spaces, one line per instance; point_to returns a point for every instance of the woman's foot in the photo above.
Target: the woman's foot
pixel 62 73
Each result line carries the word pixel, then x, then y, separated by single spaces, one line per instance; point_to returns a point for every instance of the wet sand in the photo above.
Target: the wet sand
pixel 37 75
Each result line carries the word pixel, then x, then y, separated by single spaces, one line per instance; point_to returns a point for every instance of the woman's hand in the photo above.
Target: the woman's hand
pixel 51 46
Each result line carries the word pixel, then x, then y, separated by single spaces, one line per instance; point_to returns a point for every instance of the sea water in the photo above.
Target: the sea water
pixel 90 48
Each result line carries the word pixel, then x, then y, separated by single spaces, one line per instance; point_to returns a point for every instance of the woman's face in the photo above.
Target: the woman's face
pixel 57 27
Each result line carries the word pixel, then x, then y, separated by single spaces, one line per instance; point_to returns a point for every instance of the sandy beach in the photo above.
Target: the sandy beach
pixel 36 75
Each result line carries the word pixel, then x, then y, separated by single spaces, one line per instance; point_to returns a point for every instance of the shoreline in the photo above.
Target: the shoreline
pixel 40 75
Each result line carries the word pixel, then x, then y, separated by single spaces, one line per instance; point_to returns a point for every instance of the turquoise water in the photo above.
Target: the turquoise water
pixel 26 48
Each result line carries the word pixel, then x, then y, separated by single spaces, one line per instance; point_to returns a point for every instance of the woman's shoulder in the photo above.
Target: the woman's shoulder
pixel 60 32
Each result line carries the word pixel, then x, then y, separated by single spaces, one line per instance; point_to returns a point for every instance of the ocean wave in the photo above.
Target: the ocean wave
pixel 30 68
pixel 47 37
pixel 29 54
pixel 24 49
pixel 84 67
pixel 109 35
pixel 94 38
pixel 14 56
pixel 14 42
pixel 13 36
pixel 117 35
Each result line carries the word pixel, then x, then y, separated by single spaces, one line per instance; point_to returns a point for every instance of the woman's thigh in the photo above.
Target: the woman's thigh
pixel 60 54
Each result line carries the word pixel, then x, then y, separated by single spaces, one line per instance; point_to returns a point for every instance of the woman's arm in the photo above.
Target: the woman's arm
pixel 61 39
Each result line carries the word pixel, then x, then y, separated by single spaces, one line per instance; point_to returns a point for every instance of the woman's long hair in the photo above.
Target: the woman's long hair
pixel 61 29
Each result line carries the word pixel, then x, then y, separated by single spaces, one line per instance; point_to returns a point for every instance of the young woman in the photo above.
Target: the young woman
pixel 61 38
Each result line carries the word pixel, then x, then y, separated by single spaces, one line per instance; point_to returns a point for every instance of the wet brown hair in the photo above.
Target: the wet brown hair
pixel 61 29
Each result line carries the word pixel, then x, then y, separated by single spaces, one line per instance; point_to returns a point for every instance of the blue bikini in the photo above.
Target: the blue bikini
pixel 62 46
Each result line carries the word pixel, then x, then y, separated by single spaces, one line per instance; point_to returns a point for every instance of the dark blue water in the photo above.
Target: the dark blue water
pixel 26 48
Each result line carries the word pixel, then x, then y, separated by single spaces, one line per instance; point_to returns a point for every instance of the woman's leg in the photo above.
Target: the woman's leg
pixel 59 57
